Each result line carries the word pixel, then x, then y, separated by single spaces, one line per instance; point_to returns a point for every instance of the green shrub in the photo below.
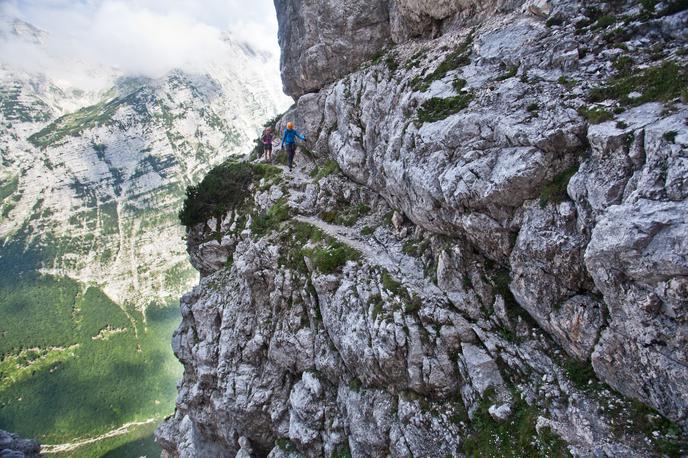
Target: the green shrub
pixel 355 384
pixel 393 286
pixel 621 125
pixel 266 171
pixel 266 222
pixel 415 60
pixel 223 190
pixel 295 236
pixel 649 5
pixel 604 21
pixel 330 259
pixel 413 304
pixel 579 373
pixel 670 136
pixel 377 303
pixel 533 107
pixel 436 109
pixel 555 191
pixel 554 21
pixel 595 115
pixel 342 451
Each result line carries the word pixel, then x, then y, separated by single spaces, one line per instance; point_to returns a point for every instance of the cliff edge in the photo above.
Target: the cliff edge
pixel 481 252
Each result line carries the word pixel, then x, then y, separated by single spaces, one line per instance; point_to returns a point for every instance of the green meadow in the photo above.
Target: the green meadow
pixel 74 365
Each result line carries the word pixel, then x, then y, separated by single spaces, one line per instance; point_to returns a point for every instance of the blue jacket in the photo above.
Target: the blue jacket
pixel 289 137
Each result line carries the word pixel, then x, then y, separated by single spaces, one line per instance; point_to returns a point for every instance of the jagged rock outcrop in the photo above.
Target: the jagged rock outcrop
pixel 322 41
pixel 13 446
pixel 504 243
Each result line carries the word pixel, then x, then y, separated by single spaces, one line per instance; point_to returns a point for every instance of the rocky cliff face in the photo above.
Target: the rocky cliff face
pixel 497 265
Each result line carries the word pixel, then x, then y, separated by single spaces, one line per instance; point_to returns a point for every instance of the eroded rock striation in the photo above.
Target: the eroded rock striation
pixel 482 248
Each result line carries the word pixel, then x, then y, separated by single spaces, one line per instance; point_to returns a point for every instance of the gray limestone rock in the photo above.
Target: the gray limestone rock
pixel 13 446
pixel 533 243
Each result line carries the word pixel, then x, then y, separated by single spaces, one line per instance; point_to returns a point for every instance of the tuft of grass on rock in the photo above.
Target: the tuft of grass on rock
pixel 623 65
pixel 567 83
pixel 346 216
pixel 392 63
pixel 510 73
pixel 555 191
pixel 367 231
pixel 579 373
pixel 328 168
pixel 436 109
pixel 662 83
pixel 595 115
pixel 554 21
pixel 458 84
pixel 342 451
pixel 264 223
pixel 604 21
pixel 515 437
pixel 285 444
pixel 454 60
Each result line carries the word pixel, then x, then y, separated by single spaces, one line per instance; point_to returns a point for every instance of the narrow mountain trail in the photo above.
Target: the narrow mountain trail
pixel 49 449
pixel 405 269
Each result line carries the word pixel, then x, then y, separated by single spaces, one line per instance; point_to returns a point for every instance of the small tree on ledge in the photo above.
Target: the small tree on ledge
pixel 222 191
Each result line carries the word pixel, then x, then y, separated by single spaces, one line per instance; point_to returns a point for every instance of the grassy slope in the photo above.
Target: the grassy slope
pixel 105 383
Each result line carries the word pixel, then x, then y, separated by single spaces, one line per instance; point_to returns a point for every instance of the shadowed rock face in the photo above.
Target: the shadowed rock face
pixel 513 255
pixel 13 446
pixel 322 41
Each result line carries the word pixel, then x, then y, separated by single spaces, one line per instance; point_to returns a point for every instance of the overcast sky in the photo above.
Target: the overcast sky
pixel 142 37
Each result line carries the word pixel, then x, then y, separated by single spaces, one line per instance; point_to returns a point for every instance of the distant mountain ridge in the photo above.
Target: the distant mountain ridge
pixel 90 185
pixel 133 150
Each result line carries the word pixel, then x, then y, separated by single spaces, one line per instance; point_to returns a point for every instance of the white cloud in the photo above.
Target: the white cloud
pixel 138 37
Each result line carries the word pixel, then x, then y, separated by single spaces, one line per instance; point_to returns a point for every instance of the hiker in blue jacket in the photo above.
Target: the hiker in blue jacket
pixel 289 139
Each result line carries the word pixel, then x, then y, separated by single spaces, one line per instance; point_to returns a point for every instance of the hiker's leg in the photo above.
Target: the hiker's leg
pixel 291 149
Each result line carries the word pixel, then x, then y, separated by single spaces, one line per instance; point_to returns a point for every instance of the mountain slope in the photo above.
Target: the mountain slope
pixel 91 253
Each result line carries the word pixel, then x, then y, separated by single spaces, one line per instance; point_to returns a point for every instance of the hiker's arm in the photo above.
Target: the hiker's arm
pixel 301 136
